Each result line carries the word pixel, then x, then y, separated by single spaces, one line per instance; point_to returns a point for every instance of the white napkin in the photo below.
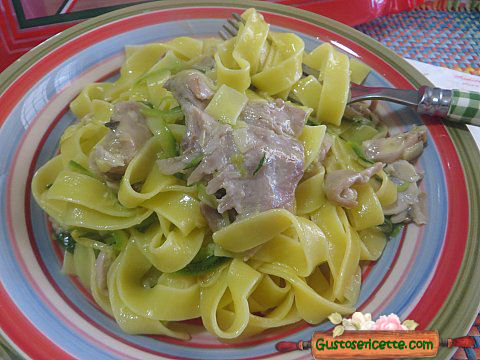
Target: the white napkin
pixel 450 79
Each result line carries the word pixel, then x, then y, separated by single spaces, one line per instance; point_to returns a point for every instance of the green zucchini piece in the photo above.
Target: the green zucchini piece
pixel 169 116
pixel 75 166
pixel 66 241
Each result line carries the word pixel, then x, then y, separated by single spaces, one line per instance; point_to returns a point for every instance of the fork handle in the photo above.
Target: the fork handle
pixel 455 105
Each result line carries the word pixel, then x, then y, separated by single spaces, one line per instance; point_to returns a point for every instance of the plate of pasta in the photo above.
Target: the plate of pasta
pixel 170 194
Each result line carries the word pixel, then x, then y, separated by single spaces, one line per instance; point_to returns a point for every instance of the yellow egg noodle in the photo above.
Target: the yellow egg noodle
pixel 282 266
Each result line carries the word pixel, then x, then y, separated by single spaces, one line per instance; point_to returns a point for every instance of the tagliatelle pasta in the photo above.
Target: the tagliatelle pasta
pixel 161 220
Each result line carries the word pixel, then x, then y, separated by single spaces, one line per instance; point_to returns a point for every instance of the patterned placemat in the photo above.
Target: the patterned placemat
pixel 442 38
pixel 451 5
pixel 471 354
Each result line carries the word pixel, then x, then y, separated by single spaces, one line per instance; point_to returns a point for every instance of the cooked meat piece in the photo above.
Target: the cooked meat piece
pixel 204 137
pixel 400 217
pixel 218 152
pixel 337 184
pixel 412 152
pixel 410 205
pixel 190 87
pixel 176 164
pixel 200 128
pixel 406 146
pixel 272 186
pixel 215 220
pixel 317 164
pixel 102 264
pixel 404 171
pixel 258 166
pixel 128 133
pixel 362 112
pixel 274 183
pixel 418 211
pixel 283 118
pixel 404 200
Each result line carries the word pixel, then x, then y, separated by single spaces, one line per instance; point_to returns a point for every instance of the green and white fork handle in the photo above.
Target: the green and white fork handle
pixel 455 105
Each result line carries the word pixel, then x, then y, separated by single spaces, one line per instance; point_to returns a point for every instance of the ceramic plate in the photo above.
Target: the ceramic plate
pixel 425 273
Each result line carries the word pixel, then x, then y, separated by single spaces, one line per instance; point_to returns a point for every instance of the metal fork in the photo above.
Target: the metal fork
pixel 455 105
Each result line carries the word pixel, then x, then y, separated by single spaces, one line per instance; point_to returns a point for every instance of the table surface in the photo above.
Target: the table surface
pixel 441 38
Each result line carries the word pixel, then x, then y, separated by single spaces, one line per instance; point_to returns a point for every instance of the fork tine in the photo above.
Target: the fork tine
pixel 231 27
pixel 232 32
pixel 233 22
pixel 223 35
pixel 237 17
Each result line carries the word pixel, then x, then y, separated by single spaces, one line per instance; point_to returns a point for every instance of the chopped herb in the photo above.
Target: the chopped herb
pixel 145 224
pixel 75 166
pixel 208 264
pixel 386 227
pixel 147 103
pixel 260 163
pixel 48 186
pixel 359 151
pixel 112 125
pixel 204 252
pixel 390 229
pixel 157 121
pixel 396 229
pixel 169 116
pixel 118 239
pixel 194 163
pixel 91 234
pixel 204 261
pixel 168 143
pixel 66 241
pixel 180 176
